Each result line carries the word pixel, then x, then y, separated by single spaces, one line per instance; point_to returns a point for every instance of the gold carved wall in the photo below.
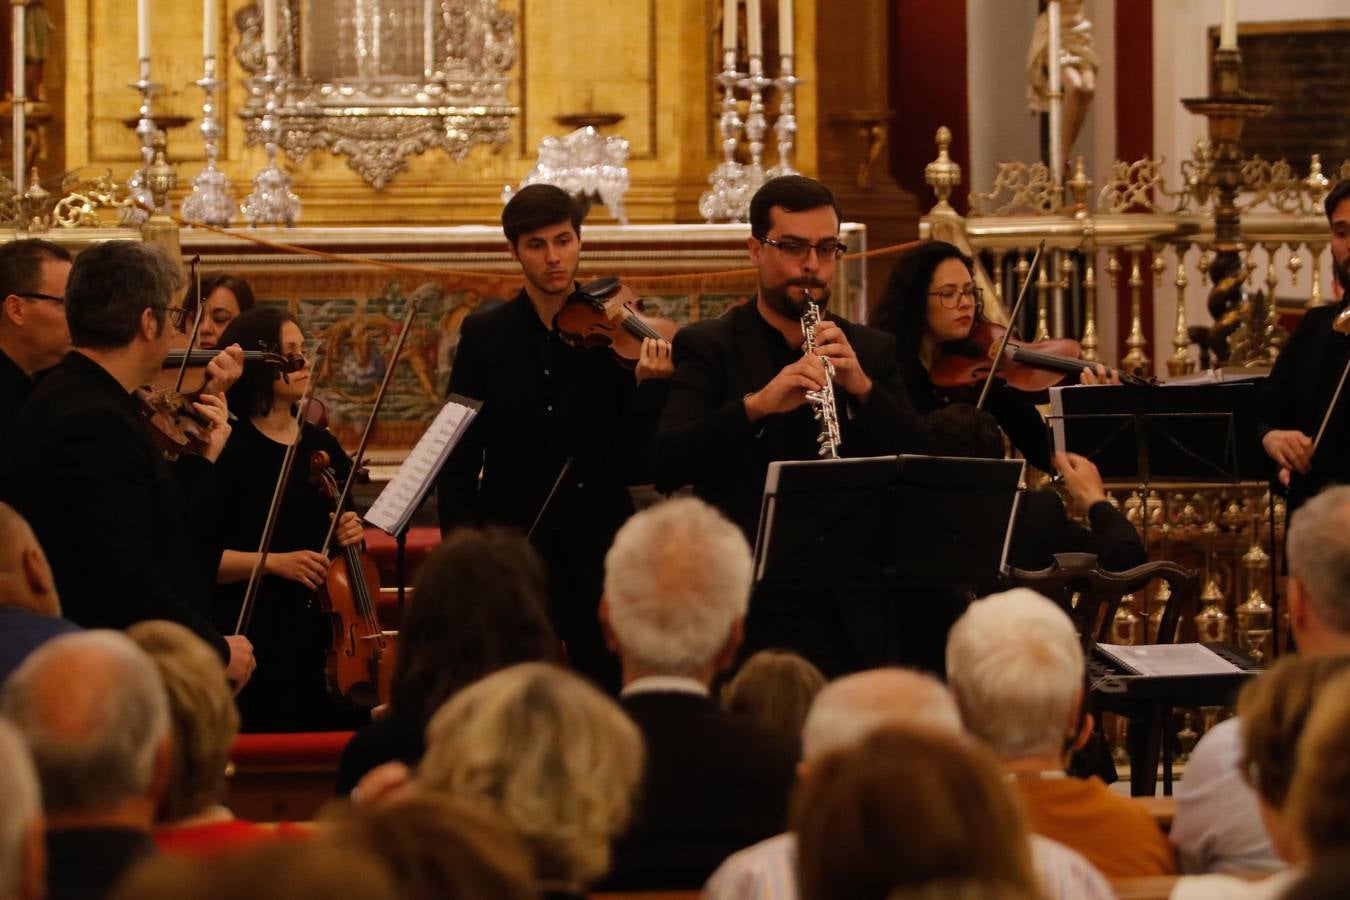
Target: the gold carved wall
pixel 648 60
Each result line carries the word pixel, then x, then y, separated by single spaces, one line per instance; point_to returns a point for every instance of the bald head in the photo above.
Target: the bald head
pixel 94 714
pixel 849 709
pixel 25 577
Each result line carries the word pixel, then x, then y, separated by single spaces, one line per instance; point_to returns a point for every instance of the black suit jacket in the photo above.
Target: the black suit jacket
pixel 106 507
pixel 1297 393
pixel 714 784
pixel 705 438
pixel 1043 528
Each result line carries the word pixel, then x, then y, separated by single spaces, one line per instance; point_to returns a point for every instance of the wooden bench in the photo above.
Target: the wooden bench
pixel 283 777
pixel 1148 887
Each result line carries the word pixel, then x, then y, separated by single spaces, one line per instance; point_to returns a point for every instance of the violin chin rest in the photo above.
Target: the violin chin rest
pixel 599 289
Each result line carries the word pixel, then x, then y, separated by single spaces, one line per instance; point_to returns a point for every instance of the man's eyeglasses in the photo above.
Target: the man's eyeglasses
pixel 34 295
pixel 798 251
pixel 177 314
pixel 950 297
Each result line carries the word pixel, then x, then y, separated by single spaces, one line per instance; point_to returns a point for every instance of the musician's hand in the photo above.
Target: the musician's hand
pixel 1291 449
pixel 350 530
pixel 241 664
pixel 787 390
pixel 212 408
pixel 224 370
pixel 1101 375
pixel 848 374
pixel 1081 478
pixel 383 784
pixel 305 566
pixel 655 360
pixel 1283 475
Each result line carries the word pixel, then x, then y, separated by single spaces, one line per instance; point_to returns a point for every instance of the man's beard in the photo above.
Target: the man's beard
pixel 780 299
pixel 1343 275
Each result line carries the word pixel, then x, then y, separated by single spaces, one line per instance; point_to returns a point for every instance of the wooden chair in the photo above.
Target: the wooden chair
pixel 1091 597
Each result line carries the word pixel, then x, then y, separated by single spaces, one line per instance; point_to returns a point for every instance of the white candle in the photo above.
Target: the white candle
pixel 19 94
pixel 143 29
pixel 729 10
pixel 269 26
pixel 785 27
pixel 209 34
pixel 1228 26
pixel 753 40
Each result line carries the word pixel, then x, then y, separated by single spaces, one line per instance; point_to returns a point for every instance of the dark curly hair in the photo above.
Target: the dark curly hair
pixel 903 306
pixel 255 329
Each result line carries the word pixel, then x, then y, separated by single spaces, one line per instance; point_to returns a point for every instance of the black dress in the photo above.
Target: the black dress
pixel 289 630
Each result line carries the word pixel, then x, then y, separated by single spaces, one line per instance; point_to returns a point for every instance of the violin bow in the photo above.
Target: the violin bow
pixel 196 322
pixel 1012 320
pixel 414 304
pixel 287 464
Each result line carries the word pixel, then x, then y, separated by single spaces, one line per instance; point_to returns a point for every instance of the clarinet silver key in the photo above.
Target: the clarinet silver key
pixel 822 401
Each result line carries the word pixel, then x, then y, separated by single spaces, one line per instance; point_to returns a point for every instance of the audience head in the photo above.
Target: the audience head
pixel 119 291
pixel 850 708
pixel 22 858
pixel 441 848
pixel 963 430
pixel 319 868
pixel 1319 795
pixel 1016 667
pixel 204 718
pixel 774 688
pixel 902 808
pixel 909 310
pixel 550 754
pixel 1318 550
pixel 479 604
pixel 677 587
pixel 226 297
pixel 26 579
pixel 99 741
pixel 33 330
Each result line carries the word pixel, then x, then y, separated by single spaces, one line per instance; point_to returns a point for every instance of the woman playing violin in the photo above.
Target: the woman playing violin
pixel 931 302
pixel 289 630
pixel 226 297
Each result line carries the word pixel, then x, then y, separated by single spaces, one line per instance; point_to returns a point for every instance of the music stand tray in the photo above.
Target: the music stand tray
pixel 886 520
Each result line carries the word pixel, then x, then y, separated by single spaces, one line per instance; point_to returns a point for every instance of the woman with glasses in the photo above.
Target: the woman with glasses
pixel 291 633
pixel 931 299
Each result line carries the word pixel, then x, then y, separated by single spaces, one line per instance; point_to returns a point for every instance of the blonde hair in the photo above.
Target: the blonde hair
pixel 1319 797
pixel 774 689
pixel 204 718
pixel 557 759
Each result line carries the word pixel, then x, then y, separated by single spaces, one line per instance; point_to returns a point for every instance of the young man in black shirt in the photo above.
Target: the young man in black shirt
pixel 552 414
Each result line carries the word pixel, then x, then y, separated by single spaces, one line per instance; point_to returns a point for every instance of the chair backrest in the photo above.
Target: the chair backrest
pixel 1098 592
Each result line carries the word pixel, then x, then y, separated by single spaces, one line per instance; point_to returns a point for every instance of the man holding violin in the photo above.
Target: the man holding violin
pixel 563 429
pixel 110 513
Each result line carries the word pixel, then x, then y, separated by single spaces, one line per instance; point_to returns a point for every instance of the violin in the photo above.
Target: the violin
pixel 606 313
pixel 1026 366
pixel 175 427
pixel 361 658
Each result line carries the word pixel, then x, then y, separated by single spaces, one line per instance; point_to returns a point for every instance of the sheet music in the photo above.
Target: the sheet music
pixel 1169 659
pixel 403 494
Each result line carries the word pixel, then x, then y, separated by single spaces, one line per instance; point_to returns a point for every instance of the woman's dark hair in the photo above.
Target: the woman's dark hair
pixel 241 289
pixel 903 306
pixel 257 329
pixel 479 604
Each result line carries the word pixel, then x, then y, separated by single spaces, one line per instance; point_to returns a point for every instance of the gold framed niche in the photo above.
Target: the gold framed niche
pixel 379 81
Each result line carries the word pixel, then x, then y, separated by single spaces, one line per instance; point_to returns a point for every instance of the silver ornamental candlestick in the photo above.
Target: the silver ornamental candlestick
pixel 726 200
pixel 138 191
pixel 785 128
pixel 272 201
pixel 756 125
pixel 212 197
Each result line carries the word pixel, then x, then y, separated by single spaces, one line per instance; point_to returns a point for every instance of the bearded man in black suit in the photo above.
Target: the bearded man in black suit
pixel 738 402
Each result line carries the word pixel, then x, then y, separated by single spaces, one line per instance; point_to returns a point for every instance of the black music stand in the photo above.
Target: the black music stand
pixel 889 521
